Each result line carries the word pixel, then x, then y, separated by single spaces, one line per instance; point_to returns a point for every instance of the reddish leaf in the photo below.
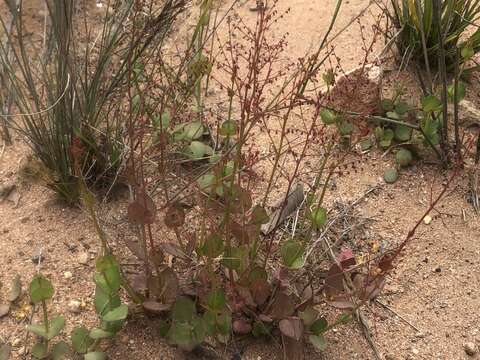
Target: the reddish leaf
pixel 346 258
pixel 241 327
pixel 142 210
pixel 341 302
pixel 293 349
pixel 175 216
pixel 260 290
pixel 334 281
pixel 386 263
pixel 164 287
pixel 292 327
pixel 283 306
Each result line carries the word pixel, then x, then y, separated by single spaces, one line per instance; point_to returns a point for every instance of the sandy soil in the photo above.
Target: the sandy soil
pixel 435 289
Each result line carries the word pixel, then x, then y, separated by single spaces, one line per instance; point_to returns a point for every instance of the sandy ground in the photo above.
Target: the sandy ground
pixel 435 289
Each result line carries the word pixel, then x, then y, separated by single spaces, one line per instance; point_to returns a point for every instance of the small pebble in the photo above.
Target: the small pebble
pixel 83 258
pixel 427 219
pixel 67 275
pixel 37 259
pixel 470 348
pixel 415 351
pixel 74 306
pixel 16 342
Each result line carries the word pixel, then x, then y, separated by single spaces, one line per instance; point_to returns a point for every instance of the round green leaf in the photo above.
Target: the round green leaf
pixel 292 254
pixel 206 182
pixel 401 108
pixel 328 117
pixel 461 91
pixel 390 176
pixel 119 313
pixel 319 217
pixel 81 340
pixel 40 350
pixel 193 130
pixel 403 133
pixel 319 326
pixel 60 350
pixel 387 105
pixel 55 326
pixel 403 157
pixel 318 341
pixel 213 246
pixel 184 310
pixel 40 289
pixel 97 333
pixel 95 355
pixel 228 128
pixel 431 103
pixel 216 300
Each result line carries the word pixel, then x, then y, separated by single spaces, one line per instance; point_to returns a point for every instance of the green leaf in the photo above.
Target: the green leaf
pixel 206 182
pixel 366 144
pixel 259 216
pixel 403 157
pixel 387 105
pixel 461 91
pixel 233 257
pixel 228 128
pixel 40 289
pixel 119 313
pixel 401 108
pixel 213 246
pixel 318 341
pixel 319 217
pixel 184 310
pixel 105 302
pixel 329 77
pixel 292 254
pixel 261 329
pixel 216 300
pixel 55 326
pixel 379 133
pixel 328 117
pixel 308 316
pixel 60 350
pixel 95 355
pixel 197 150
pixel 108 276
pixel 163 328
pixel 38 329
pixel 403 133
pixel 193 130
pixel 390 176
pixel 97 333
pixel 430 129
pixel 431 103
pixel 319 326
pixel 40 350
pixel 393 115
pixel 81 340
pixel 467 52
pixel 224 323
pixel 345 128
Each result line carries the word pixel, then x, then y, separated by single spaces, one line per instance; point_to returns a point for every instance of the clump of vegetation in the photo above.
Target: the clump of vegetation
pixel 424 25
pixel 73 84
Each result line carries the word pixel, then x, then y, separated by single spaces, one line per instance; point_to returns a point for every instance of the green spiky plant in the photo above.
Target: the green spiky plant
pixel 71 86
pixel 419 29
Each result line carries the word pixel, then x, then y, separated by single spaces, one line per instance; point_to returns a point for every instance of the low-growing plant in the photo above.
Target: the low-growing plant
pixel 84 342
